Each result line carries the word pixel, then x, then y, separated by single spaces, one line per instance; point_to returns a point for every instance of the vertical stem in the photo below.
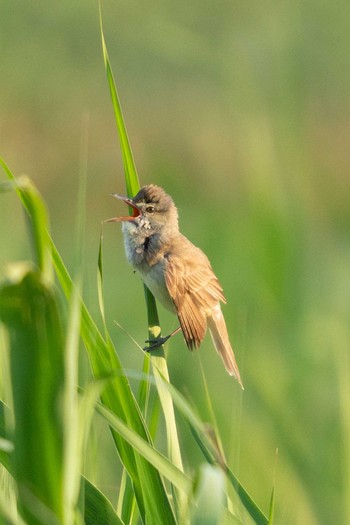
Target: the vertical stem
pixel 161 374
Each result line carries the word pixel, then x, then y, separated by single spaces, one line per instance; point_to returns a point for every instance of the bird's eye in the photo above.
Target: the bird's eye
pixel 150 208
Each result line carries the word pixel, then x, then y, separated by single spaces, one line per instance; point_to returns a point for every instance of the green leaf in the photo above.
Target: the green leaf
pixel 74 426
pixel 272 507
pixel 148 486
pixel 248 502
pixel 39 223
pixel 6 446
pixel 29 309
pixel 98 509
pixel 126 506
pixel 158 357
pixel 161 463
pixel 209 445
pixel 8 516
pixel 118 397
pixel 131 177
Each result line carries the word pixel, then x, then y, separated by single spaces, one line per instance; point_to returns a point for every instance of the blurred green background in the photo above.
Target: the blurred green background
pixel 241 111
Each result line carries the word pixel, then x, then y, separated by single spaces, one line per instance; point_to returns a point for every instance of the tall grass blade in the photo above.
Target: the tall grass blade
pixel 100 284
pixel 148 486
pixel 119 398
pixel 39 223
pixel 126 506
pixel 98 509
pixel 131 177
pixel 73 449
pixel 6 444
pixel 166 467
pixel 29 309
pixel 210 446
pixel 158 357
pixel 246 499
pixel 126 497
pixel 8 516
pixel 272 507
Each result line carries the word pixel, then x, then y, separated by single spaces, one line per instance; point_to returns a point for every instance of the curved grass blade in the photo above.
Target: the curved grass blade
pixel 126 497
pixel 8 516
pixel 29 309
pixel 118 397
pixel 38 217
pixel 148 486
pixel 98 509
pixel 210 446
pixel 160 462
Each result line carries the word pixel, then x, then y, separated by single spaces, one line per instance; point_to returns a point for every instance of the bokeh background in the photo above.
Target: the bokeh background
pixel 241 111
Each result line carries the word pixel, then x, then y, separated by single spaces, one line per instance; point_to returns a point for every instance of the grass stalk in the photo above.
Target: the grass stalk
pixel 154 330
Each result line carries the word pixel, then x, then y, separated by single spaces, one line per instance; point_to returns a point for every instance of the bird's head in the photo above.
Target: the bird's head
pixel 152 209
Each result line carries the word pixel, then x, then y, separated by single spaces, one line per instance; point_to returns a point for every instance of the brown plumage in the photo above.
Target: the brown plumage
pixel 178 273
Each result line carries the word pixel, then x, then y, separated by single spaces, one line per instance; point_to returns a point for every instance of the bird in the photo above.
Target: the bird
pixel 177 272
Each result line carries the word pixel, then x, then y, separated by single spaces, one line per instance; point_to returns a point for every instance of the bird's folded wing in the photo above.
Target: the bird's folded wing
pixel 194 290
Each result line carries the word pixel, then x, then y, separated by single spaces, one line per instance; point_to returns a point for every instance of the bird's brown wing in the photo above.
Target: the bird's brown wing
pixel 194 289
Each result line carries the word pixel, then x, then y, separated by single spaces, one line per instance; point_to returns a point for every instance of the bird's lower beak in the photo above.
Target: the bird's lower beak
pixel 135 211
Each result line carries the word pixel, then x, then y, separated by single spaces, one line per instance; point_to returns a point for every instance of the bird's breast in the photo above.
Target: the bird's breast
pixel 146 255
pixel 154 279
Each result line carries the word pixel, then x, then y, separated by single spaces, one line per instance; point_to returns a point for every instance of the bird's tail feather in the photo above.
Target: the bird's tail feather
pixel 218 331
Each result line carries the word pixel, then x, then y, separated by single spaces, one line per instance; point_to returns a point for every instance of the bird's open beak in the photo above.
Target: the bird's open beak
pixel 135 211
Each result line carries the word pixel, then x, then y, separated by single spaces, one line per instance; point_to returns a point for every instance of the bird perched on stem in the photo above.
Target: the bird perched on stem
pixel 177 273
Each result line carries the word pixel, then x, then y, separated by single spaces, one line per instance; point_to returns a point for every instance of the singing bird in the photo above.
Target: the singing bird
pixel 177 273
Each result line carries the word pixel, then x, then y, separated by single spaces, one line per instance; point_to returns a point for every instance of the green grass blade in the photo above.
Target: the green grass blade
pixel 6 445
pixel 144 389
pixel 98 509
pixel 209 444
pixel 160 371
pixel 8 516
pixel 132 185
pixel 272 507
pixel 131 177
pixel 248 502
pixel 78 412
pixel 39 223
pixel 160 462
pixel 73 448
pixel 118 397
pixel 8 496
pixel 126 506
pixel 29 309
pixel 150 492
pixel 126 498
pixel 100 285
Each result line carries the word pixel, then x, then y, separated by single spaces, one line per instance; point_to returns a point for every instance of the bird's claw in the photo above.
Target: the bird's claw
pixel 155 343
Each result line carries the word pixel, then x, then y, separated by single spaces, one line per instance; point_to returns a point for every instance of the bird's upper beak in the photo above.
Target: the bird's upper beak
pixel 136 212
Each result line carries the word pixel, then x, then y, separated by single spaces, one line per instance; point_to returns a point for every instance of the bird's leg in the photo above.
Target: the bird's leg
pixel 159 341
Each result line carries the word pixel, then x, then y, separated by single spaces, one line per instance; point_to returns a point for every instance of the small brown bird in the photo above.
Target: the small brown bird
pixel 177 273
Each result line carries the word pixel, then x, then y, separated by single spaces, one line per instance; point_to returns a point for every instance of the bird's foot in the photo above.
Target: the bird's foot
pixel 155 343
